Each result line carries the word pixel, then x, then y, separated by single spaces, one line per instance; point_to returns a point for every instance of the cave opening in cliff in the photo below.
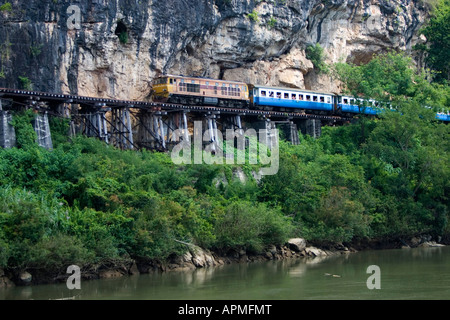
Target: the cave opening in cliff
pixel 122 32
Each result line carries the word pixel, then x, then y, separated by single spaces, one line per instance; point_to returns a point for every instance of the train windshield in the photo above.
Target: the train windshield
pixel 161 80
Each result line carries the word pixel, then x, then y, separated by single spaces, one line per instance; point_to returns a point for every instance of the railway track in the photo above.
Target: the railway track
pixel 32 98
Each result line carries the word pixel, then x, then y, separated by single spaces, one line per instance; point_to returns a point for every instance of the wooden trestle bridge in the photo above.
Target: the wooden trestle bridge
pixel 139 124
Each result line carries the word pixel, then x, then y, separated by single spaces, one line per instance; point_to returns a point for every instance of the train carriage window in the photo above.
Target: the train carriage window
pixel 315 98
pixel 182 85
pixel 271 94
pixel 322 99
pixel 224 89
pixel 279 95
pixel 286 95
pixel 345 101
pixel 191 87
pixel 300 97
pixel 294 96
pixel 308 98
pixel 328 99
pixel 263 93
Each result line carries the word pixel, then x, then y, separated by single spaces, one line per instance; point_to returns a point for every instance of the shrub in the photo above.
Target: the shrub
pixel 271 23
pixel 7 7
pixel 339 218
pixel 25 83
pixel 253 16
pixel 316 55
pixel 251 226
pixel 123 37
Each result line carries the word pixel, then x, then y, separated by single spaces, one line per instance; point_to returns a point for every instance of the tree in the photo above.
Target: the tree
pixel 437 47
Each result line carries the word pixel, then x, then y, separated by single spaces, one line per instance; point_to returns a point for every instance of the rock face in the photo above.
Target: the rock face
pixel 121 45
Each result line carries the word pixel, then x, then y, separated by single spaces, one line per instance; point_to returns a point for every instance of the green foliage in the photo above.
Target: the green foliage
pixel 392 79
pixel 25 83
pixel 385 76
pixel 6 7
pixel 59 127
pixel 338 218
pixel 22 123
pixel 36 50
pixel 253 16
pixel 30 232
pixel 271 23
pixel 404 155
pixel 316 55
pixel 437 32
pixel 244 225
pixel 123 37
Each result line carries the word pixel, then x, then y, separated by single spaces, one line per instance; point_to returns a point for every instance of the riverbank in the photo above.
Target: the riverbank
pixel 196 257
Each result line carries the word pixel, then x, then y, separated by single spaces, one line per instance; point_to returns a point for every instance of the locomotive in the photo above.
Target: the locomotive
pixel 234 94
pixel 200 91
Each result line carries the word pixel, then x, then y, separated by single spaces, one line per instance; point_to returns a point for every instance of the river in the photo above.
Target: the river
pixel 419 273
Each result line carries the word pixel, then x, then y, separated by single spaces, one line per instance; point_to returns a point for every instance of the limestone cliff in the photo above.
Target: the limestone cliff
pixel 120 45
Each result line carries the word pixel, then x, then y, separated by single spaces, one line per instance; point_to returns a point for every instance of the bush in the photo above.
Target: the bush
pixel 254 16
pixel 59 251
pixel 26 220
pixel 25 83
pixel 316 55
pixel 6 7
pixel 338 219
pixel 251 227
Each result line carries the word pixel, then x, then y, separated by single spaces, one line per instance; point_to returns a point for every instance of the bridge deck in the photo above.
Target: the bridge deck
pixel 98 103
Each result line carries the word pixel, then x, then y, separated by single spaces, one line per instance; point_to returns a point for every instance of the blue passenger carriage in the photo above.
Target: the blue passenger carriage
pixel 266 96
pixel 348 104
pixel 443 116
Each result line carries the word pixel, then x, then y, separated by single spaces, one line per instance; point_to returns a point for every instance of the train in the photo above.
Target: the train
pixel 179 89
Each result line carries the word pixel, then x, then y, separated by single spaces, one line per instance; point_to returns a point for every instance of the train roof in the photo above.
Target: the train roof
pixel 290 89
pixel 200 78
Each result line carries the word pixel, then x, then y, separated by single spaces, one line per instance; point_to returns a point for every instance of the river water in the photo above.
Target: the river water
pixel 419 273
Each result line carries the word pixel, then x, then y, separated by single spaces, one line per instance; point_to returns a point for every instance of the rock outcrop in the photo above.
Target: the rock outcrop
pixel 118 46
pixel 5 282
